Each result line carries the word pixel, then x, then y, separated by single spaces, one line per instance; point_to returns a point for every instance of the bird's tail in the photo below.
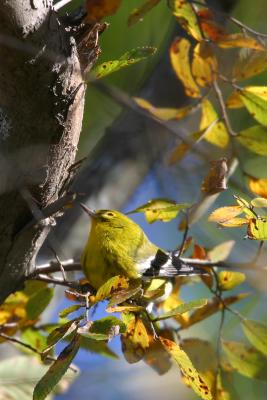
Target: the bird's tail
pixel 168 265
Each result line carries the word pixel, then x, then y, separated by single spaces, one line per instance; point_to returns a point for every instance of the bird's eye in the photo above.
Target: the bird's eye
pixel 110 214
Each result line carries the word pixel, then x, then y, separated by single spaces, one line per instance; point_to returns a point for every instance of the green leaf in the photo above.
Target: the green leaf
pixel 256 104
pixel 246 360
pixel 56 370
pixel 113 285
pixel 259 202
pixel 183 308
pixel 97 347
pixel 138 13
pixel 193 378
pixel 62 331
pixel 257 229
pixel 256 332
pixel 160 210
pixel 230 279
pixel 186 15
pixel 105 325
pixel 64 313
pixel 34 338
pixel 127 59
pixel 255 166
pixel 254 139
pixel 38 302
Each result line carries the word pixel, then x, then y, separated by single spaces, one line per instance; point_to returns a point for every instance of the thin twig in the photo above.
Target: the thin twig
pixel 55 281
pixel 223 108
pixel 61 4
pixel 69 265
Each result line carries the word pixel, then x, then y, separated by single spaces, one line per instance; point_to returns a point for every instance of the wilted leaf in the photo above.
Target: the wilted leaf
pixel 38 302
pixel 215 181
pixel 193 377
pixel 246 360
pixel 214 305
pixel 230 279
pixel 238 40
pixel 160 210
pixel 98 9
pixel 179 55
pixel 135 340
pixel 164 114
pixel 125 294
pixel 257 229
pixel 256 332
pixel 138 13
pixel 221 252
pixel 224 214
pixel 209 25
pixel 199 252
pixel 203 357
pixel 113 285
pixel 157 357
pixel 56 370
pixel 204 64
pixel 251 64
pixel 62 331
pixel 258 186
pixel 125 308
pixel 127 59
pixel 259 202
pixel 186 15
pixel 64 313
pixel 217 135
pixel 183 308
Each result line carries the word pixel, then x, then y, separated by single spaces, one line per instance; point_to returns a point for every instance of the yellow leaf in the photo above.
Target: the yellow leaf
pixel 192 376
pixel 160 210
pixel 254 139
pixel 98 9
pixel 238 40
pixel 186 15
pixel 164 114
pixel 135 340
pixel 221 252
pixel 224 214
pixel 138 13
pixel 245 360
pixel 234 222
pixel 253 63
pixel 258 186
pixel 217 135
pixel 126 308
pixel 230 279
pixel 178 153
pixel 256 332
pixel 179 55
pixel 204 65
pixel 257 229
pixel 259 202
pixel 234 100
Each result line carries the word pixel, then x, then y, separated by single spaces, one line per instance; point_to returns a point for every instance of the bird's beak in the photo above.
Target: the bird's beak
pixel 91 213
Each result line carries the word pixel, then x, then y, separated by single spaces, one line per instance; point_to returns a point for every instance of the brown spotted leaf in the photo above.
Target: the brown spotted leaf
pixel 192 376
pixel 187 17
pixel 135 340
pixel 112 286
pixel 164 114
pixel 138 13
pixel 98 9
pixel 229 279
pixel 257 229
pixel 204 64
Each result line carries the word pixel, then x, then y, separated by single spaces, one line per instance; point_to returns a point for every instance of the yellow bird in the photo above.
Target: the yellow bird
pixel 118 246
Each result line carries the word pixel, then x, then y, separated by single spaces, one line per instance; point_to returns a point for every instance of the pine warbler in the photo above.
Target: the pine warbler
pixel 118 246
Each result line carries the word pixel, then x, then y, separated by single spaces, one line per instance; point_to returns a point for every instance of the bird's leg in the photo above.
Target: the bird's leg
pixel 60 264
pixel 181 250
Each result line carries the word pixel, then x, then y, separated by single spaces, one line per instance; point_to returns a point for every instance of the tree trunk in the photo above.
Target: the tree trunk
pixel 41 110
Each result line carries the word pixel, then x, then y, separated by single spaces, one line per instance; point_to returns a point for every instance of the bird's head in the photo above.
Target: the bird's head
pixel 110 219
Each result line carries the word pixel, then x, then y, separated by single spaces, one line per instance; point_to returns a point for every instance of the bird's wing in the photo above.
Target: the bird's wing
pixel 166 265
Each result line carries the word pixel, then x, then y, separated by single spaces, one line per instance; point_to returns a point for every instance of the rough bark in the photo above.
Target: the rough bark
pixel 41 109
